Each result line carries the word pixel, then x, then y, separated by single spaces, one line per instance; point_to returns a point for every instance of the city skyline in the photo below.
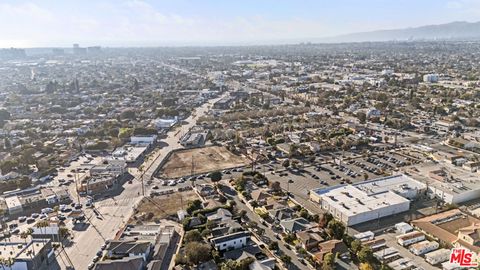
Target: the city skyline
pixel 157 23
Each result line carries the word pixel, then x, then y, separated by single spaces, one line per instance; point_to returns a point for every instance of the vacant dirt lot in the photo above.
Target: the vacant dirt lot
pixel 165 205
pixel 205 160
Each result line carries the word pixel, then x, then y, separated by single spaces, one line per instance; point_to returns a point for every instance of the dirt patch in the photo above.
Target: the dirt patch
pixel 205 160
pixel 163 206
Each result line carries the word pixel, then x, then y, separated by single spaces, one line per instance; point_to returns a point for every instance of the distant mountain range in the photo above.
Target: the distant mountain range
pixel 448 31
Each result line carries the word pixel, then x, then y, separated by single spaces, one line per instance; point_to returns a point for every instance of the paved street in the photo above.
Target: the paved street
pixel 115 211
pixel 296 264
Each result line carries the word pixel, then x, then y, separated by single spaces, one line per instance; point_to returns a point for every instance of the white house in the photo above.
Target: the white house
pixel 231 241
pixel 423 247
pixel 410 238
pixel 143 140
pixel 129 248
pixel 438 256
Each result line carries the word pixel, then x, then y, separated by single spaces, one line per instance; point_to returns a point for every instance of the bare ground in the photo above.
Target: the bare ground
pixel 206 159
pixel 164 206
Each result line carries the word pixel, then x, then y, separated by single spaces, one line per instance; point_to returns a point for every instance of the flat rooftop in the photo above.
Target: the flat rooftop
pixel 351 200
pixel 399 183
pixel 457 180
pixel 129 153
pixel 13 202
pixel 17 248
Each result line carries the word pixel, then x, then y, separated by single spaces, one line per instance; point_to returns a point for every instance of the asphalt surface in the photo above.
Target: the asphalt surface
pixel 115 211
pixel 269 233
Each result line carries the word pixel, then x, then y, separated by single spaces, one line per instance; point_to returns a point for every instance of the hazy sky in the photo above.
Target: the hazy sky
pixel 169 22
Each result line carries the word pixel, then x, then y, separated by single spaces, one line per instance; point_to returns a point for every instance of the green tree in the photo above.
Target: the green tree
pixel 215 176
pixel 286 259
pixel 275 186
pixel 194 205
pixel 365 266
pixel 362 117
pixel 365 254
pixel 63 232
pixel 42 224
pixel 237 265
pixel 289 238
pixel 193 236
pixel 304 213
pixel 196 253
pixel 336 229
pixel 8 166
pixel 356 246
pixel 273 245
pixel 328 261
pixel 326 218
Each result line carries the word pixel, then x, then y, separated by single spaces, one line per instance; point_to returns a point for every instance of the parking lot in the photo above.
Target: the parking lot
pixel 75 170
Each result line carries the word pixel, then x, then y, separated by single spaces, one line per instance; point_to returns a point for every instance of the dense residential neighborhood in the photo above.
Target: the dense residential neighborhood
pixel 303 156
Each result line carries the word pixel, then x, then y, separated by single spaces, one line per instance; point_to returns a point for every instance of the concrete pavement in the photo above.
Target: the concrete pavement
pixel 116 211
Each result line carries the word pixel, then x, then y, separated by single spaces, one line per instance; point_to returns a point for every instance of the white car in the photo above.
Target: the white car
pixel 47 210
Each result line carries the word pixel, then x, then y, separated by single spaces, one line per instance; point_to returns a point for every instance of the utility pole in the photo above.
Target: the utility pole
pixel 143 186
pixel 76 186
pixel 192 171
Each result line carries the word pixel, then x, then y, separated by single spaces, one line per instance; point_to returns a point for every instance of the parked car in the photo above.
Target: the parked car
pixel 47 210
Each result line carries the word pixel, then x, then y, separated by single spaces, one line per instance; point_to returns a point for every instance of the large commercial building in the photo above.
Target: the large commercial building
pixel 365 201
pixel 28 254
pixel 449 183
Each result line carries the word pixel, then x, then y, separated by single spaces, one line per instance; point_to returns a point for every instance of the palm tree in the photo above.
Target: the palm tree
pixel 2 263
pixel 42 224
pixel 6 262
pixel 28 233
pixel 63 232
pixel 24 235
